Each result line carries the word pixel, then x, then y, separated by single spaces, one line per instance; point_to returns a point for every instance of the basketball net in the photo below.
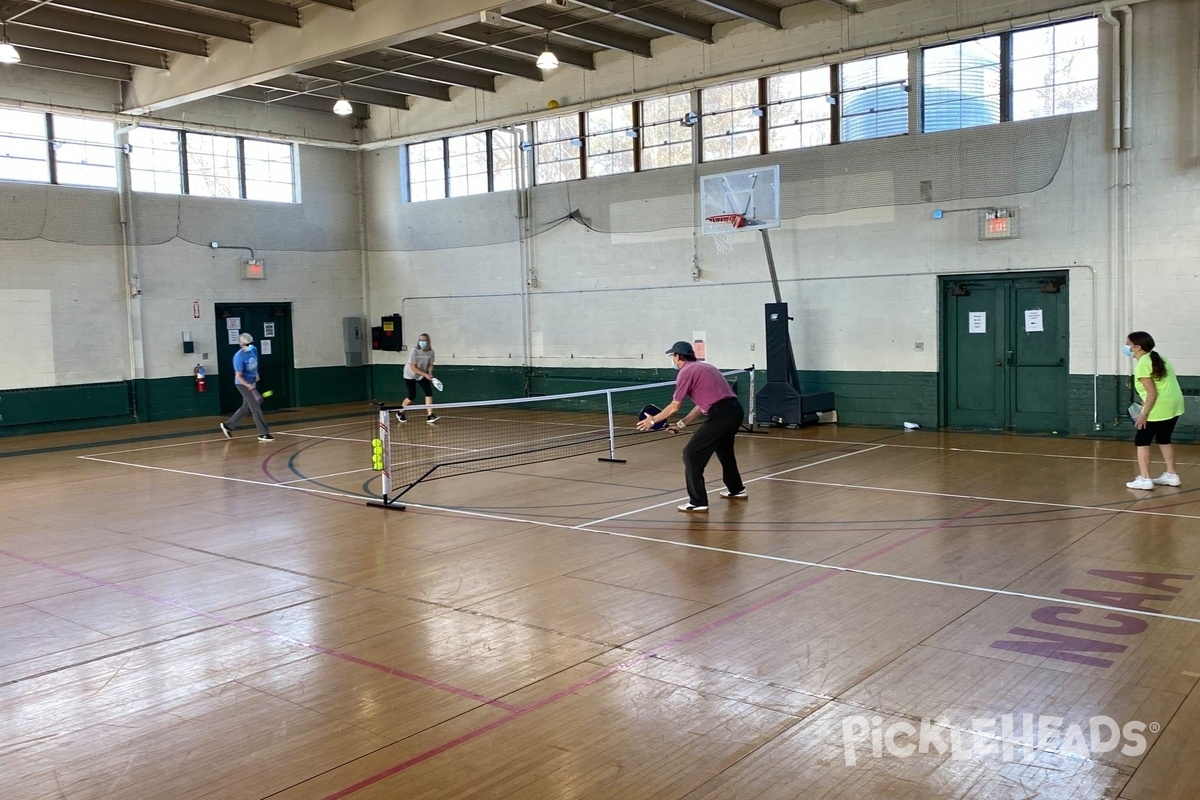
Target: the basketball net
pixel 722 227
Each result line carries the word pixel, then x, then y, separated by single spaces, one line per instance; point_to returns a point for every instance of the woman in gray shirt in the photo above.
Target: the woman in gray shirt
pixel 419 371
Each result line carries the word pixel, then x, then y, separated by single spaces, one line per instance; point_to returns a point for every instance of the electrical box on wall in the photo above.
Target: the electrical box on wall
pixel 389 335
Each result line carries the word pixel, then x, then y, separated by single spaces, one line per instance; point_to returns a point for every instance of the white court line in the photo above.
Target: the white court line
pixel 224 478
pixel 322 438
pixel 323 477
pixel 691 545
pixel 156 447
pixel 816 564
pixel 968 450
pixel 1105 509
pixel 752 480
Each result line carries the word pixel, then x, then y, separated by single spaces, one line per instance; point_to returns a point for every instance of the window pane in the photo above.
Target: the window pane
pixel 468 163
pixel 729 120
pixel 556 149
pixel 873 102
pixel 23 148
pixel 427 171
pixel 154 161
pixel 212 165
pixel 85 152
pixel 505 158
pixel 666 141
pixel 1055 69
pixel 270 172
pixel 799 113
pixel 610 147
pixel 961 86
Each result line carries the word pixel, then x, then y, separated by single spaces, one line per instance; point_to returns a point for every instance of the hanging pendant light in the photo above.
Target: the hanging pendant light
pixel 342 107
pixel 8 53
pixel 547 60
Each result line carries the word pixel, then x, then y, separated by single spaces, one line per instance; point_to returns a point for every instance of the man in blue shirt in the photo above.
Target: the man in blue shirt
pixel 245 376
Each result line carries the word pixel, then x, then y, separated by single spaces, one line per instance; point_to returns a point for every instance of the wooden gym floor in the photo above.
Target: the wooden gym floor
pixel 890 614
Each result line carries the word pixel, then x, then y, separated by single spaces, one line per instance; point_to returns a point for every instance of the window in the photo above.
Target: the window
pixel 610 147
pixel 873 99
pixel 799 112
pixel 556 150
pixel 961 85
pixel 666 141
pixel 154 164
pixel 270 172
pixel 23 149
pixel 505 158
pixel 212 165
pixel 467 164
pixel 730 117
pixel 85 152
pixel 427 171
pixel 1055 69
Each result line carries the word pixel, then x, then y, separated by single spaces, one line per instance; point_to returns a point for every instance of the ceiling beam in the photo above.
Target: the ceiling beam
pixel 77 66
pixel 389 60
pixel 379 80
pixel 278 97
pixel 524 43
pixel 653 17
pixel 328 34
pixel 445 51
pixel 255 9
pixel 179 19
pixel 69 44
pixel 319 87
pixel 347 5
pixel 55 19
pixel 753 10
pixel 574 28
pixel 846 5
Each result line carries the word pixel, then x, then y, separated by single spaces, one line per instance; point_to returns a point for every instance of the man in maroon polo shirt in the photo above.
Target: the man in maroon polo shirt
pixel 713 398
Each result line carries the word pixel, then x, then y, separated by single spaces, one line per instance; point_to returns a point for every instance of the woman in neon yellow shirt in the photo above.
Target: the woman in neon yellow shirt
pixel 1162 405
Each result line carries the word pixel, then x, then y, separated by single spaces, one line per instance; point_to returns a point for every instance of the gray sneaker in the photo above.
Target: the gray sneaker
pixel 1166 479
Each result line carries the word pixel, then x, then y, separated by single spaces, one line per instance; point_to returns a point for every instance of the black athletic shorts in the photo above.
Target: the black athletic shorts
pixel 1158 431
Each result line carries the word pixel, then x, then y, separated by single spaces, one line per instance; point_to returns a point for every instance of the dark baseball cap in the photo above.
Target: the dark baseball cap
pixel 681 348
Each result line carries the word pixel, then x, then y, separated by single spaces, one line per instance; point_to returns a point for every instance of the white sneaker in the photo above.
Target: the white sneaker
pixel 1140 483
pixel 689 508
pixel 1166 479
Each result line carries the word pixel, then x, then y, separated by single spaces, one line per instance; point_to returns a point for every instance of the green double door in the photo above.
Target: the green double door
pixel 271 326
pixel 1005 352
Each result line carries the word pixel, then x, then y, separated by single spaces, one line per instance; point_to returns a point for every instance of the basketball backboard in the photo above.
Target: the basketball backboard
pixel 752 195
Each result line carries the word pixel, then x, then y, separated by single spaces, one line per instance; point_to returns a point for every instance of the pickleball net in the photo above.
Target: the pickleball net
pixel 496 434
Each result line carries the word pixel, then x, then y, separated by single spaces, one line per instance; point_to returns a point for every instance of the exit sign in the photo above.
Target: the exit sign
pixel 998 223
pixel 254 270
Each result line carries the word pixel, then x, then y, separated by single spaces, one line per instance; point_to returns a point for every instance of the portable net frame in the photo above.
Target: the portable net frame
pixel 495 434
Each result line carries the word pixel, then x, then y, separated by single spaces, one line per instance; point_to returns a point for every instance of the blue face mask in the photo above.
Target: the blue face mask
pixel 422 345
pixel 1127 350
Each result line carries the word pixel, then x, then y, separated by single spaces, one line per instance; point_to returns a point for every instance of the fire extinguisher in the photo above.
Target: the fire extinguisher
pixel 199 370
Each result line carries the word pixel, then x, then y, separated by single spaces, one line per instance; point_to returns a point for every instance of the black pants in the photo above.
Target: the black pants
pixel 715 435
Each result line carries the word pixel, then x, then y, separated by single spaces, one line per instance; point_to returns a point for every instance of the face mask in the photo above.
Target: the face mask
pixel 1127 350
pixel 422 345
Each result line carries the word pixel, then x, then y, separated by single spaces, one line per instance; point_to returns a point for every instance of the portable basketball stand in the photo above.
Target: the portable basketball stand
pixel 781 402
pixel 735 201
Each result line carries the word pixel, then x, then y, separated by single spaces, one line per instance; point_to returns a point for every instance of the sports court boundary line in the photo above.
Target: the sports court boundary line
pixel 267 632
pixel 752 480
pixel 1072 506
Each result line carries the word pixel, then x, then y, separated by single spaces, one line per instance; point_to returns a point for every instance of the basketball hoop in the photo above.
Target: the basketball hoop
pixel 721 228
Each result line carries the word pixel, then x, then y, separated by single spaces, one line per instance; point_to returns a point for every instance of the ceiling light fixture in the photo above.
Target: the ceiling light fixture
pixel 8 53
pixel 547 60
pixel 342 107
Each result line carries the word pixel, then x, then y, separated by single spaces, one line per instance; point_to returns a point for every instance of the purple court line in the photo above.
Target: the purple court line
pixel 316 648
pixel 635 660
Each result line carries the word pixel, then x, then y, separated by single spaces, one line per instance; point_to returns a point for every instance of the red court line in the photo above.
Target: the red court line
pixel 316 648
pixel 635 660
